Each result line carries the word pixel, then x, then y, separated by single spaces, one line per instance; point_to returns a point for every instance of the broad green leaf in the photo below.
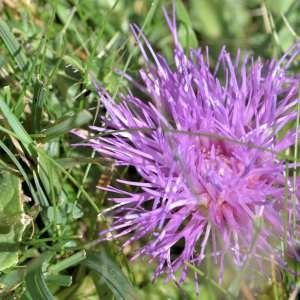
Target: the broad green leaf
pixel 10 280
pixel 113 276
pixel 13 220
pixel 279 6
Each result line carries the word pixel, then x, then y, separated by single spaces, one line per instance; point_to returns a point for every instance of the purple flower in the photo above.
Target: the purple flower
pixel 207 150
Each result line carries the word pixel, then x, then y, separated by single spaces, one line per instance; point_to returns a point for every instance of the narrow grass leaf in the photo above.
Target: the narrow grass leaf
pixel 43 201
pixel 35 282
pixel 72 179
pixel 16 126
pixel 103 290
pixel 37 287
pixel 59 280
pixel 68 262
pixel 21 169
pixel 211 281
pixel 111 274
pixel 66 125
pixel 12 45
pixel 183 16
pixel 37 105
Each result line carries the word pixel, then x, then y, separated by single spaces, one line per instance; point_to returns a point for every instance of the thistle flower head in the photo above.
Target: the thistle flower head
pixel 206 148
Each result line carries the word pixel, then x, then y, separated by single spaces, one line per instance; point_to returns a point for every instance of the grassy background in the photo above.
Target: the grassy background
pixel 49 205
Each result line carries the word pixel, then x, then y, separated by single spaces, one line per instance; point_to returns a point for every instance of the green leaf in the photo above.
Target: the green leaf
pixel 35 282
pixel 26 140
pixel 20 168
pixel 68 262
pixel 42 198
pixel 207 18
pixel 210 281
pixel 218 20
pixel 66 125
pixel 103 290
pixel 278 6
pixel 71 178
pixel 182 13
pixel 60 280
pixel 49 176
pixel 74 62
pixel 36 285
pixel 37 105
pixel 188 35
pixel 13 220
pixel 10 280
pixel 112 275
pixel 16 126
pixel 71 162
pixel 12 45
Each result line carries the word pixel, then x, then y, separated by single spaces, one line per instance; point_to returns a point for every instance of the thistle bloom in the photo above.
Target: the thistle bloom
pixel 206 148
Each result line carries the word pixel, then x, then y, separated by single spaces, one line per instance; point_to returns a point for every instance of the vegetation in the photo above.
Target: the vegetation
pixel 50 208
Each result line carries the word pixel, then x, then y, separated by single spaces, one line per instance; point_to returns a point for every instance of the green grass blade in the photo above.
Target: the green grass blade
pixel 12 45
pixel 68 262
pixel 71 178
pixel 103 291
pixel 21 169
pixel 66 125
pixel 111 274
pixel 35 279
pixel 60 280
pixel 211 281
pixel 16 126
pixel 37 287
pixel 37 105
